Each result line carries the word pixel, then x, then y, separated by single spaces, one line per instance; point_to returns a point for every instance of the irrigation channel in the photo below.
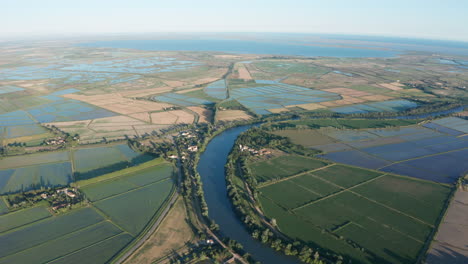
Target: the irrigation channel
pixel 212 172
pixel 211 169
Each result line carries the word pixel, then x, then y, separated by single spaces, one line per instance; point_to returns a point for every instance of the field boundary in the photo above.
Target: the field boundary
pixel 293 176
pixel 336 193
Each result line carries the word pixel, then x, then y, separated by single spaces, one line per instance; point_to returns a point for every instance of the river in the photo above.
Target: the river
pixel 211 169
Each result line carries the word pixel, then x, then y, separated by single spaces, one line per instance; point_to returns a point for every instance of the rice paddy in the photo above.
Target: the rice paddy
pixel 95 233
pixel 61 168
pixel 279 95
pixel 339 207
pixel 426 152
pixel 10 89
pixel 180 99
pixel 217 89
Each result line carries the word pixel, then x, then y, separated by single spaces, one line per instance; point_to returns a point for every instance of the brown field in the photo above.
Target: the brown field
pixel 26 138
pixel 142 116
pixel 206 80
pixel 188 90
pixel 397 84
pixel 174 84
pixel 228 56
pixel 347 91
pixel 172 117
pixel 171 235
pixel 305 137
pixel 278 110
pixel 244 73
pixel 118 104
pixel 310 106
pixel 231 115
pixel 391 86
pixel 205 115
pixel 450 245
pixel 37 85
pixel 115 127
pixel 146 92
pixel 376 98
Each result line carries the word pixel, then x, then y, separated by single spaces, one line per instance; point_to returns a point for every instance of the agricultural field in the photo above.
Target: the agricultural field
pixel 173 234
pixel 231 115
pixel 450 241
pixel 260 99
pixel 338 207
pixel 283 166
pixel 95 233
pixel 61 168
pixel 428 151
pixel 217 89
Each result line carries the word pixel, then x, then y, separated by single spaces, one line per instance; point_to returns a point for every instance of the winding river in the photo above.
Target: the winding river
pixel 211 169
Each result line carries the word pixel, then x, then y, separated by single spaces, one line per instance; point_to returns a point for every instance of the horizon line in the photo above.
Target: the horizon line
pixel 51 35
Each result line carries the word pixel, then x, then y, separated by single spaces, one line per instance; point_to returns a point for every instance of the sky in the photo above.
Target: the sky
pixel 436 19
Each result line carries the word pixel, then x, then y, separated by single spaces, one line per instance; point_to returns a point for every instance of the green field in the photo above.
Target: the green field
pixel 345 123
pixel 128 182
pixel 65 244
pixel 339 207
pixel 97 253
pixel 22 217
pixel 419 199
pixel 283 166
pixel 345 176
pixel 49 229
pixel 3 207
pixel 304 137
pixel 125 202
pixel 62 168
pixel 134 209
pixel 34 159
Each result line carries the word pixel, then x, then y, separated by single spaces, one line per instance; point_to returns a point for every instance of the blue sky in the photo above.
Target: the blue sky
pixel 439 19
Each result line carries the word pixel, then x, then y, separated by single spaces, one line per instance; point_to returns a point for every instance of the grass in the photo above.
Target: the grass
pixel 49 229
pixel 101 252
pixel 173 233
pixel 120 173
pixel 283 166
pixel 134 209
pixel 65 245
pixel 22 217
pixel 345 176
pixel 127 182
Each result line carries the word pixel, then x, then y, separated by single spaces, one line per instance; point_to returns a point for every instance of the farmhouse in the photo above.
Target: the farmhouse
pixel 192 148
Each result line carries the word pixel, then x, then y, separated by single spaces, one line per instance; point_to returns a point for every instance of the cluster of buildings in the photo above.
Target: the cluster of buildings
pixel 59 203
pixel 254 152
pixel 55 141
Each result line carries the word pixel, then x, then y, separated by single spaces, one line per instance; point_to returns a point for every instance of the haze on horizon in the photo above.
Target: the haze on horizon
pixel 433 19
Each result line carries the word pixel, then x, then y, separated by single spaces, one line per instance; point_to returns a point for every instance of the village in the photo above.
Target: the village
pixel 55 198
